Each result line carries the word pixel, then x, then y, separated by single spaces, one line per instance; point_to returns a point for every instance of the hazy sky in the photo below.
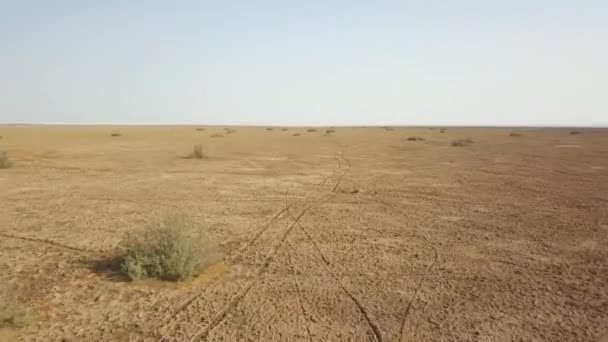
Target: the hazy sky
pixel 306 62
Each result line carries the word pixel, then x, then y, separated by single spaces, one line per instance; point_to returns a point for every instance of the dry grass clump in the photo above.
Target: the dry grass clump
pixel 5 163
pixel 442 130
pixel 462 142
pixel 330 131
pixel 200 129
pixel 311 130
pixel 284 129
pixel 13 318
pixel 116 135
pixel 296 134
pixel 171 249
pixel 269 129
pixel 217 135
pixel 575 132
pixel 197 152
pixel 416 139
pixel 515 134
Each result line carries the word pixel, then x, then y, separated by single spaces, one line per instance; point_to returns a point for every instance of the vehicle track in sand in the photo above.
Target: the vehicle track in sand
pixel 219 316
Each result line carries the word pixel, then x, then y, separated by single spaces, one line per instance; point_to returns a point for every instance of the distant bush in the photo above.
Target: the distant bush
pixel 415 139
pixel 172 249
pixel 311 130
pixel 197 152
pixel 514 134
pixel 5 163
pixel 284 129
pixel 462 142
pixel 442 130
pixel 229 130
pixel 296 134
pixel 200 129
pixel 116 135
pixel 217 135
pixel 575 132
pixel 386 128
pixel 330 131
pixel 269 129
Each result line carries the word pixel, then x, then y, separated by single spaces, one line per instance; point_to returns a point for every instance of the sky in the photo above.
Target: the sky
pixel 529 63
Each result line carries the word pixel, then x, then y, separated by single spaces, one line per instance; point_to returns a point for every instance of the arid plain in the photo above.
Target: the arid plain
pixel 358 234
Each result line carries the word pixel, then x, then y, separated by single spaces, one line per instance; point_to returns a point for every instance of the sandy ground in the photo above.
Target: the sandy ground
pixel 359 235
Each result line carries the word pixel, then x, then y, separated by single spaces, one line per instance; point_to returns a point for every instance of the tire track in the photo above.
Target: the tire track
pixel 413 299
pixel 49 243
pixel 373 326
pixel 299 292
pixel 236 299
pixel 219 316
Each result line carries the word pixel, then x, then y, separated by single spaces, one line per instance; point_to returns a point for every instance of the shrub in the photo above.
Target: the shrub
pixel 442 130
pixel 514 134
pixel 462 142
pixel 171 249
pixel 575 132
pixel 5 163
pixel 116 135
pixel 296 134
pixel 197 152
pixel 311 130
pixel 415 139
pixel 15 318
pixel 284 129
pixel 200 129
pixel 330 131
pixel 217 135
pixel 269 129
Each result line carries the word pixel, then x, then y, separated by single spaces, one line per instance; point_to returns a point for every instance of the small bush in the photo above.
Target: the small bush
pixel 311 130
pixel 116 135
pixel 386 128
pixel 197 152
pixel 172 249
pixel 442 130
pixel 514 134
pixel 415 139
pixel 575 132
pixel 217 135
pixel 200 129
pixel 330 131
pixel 15 318
pixel 284 129
pixel 229 130
pixel 5 163
pixel 296 134
pixel 269 129
pixel 462 142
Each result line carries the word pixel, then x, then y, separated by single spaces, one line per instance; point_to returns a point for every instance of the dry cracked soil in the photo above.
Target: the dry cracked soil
pixel 355 235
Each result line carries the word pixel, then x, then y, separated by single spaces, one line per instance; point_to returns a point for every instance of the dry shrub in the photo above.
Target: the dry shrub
pixel 442 130
pixel 116 135
pixel 330 131
pixel 311 130
pixel 171 249
pixel 15 318
pixel 217 135
pixel 462 142
pixel 269 129
pixel 5 163
pixel 575 132
pixel 197 152
pixel 386 128
pixel 415 139
pixel 200 129
pixel 514 134
pixel 296 134
pixel 284 129
pixel 229 130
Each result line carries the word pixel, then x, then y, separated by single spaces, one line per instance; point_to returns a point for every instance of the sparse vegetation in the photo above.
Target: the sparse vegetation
pixel 386 128
pixel 575 132
pixel 462 142
pixel 311 130
pixel 217 135
pixel 269 129
pixel 200 129
pixel 197 152
pixel 172 249
pixel 229 130
pixel 11 318
pixel 442 130
pixel 5 163
pixel 284 129
pixel 116 135
pixel 515 134
pixel 296 134
pixel 415 139
pixel 330 131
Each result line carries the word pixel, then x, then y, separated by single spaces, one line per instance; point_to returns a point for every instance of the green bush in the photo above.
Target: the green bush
pixel 5 163
pixel 172 249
